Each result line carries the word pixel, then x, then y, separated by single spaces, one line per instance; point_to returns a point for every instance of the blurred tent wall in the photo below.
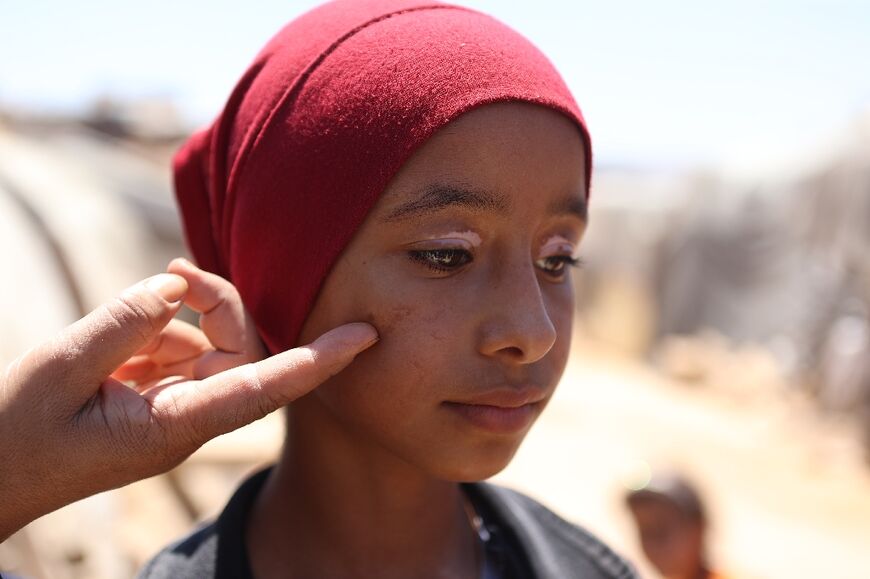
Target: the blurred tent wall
pixel 86 209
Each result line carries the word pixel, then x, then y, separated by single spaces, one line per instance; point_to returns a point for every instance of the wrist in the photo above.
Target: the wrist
pixel 24 499
pixel 13 516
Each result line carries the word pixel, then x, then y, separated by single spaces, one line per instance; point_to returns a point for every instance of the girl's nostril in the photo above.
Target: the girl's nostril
pixel 514 352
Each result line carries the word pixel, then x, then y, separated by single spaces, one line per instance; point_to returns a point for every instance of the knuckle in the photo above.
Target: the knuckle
pixel 306 357
pixel 265 399
pixel 65 353
pixel 53 368
pixel 266 406
pixel 137 313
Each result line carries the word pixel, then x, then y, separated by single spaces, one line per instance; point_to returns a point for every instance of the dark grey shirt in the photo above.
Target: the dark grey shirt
pixel 525 540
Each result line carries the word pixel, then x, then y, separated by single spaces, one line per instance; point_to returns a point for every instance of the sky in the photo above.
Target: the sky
pixel 738 84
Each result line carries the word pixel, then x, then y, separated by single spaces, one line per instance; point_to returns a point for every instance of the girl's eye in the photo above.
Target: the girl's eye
pixel 555 265
pixel 441 259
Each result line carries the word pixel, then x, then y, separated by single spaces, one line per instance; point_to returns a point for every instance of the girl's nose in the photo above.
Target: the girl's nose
pixel 517 326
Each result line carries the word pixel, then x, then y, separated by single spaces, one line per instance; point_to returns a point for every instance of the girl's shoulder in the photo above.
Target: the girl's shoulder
pixel 216 550
pixel 193 557
pixel 541 541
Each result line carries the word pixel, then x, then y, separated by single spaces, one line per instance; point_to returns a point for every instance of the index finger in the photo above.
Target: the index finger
pixel 201 410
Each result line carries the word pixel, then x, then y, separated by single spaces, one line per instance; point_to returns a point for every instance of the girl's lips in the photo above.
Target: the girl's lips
pixel 497 419
pixel 505 396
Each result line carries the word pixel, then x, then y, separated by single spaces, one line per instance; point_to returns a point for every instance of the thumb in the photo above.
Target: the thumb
pixel 200 410
pixel 86 352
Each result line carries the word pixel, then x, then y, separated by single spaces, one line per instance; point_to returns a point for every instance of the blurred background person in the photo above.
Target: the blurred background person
pixel 672 527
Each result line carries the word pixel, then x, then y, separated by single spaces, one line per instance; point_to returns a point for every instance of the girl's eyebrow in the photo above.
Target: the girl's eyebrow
pixel 571 205
pixel 440 196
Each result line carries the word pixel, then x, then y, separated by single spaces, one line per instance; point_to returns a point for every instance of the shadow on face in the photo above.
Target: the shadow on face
pixel 462 266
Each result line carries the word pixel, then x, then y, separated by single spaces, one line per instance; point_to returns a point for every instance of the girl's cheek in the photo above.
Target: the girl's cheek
pixel 419 323
pixel 388 319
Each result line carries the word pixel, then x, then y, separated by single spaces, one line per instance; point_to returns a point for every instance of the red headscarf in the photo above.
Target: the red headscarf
pixel 334 104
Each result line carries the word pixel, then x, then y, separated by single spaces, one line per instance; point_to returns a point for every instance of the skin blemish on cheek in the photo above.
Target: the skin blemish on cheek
pixel 386 321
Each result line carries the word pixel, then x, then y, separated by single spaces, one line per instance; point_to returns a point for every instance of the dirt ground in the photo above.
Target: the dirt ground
pixel 788 492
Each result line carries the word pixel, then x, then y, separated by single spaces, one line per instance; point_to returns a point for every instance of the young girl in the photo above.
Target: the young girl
pixel 420 167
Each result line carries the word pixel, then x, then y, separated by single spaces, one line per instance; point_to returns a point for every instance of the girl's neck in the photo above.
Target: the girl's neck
pixel 339 506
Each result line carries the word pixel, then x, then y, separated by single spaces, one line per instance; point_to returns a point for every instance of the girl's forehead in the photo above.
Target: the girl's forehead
pixel 511 126
pixel 493 159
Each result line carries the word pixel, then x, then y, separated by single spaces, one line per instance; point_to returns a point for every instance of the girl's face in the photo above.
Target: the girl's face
pixel 463 267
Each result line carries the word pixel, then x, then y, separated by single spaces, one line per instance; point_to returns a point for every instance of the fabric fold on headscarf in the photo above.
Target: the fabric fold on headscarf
pixel 275 188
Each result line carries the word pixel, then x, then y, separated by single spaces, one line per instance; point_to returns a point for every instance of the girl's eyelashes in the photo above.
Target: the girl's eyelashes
pixel 559 255
pixel 445 254
pixel 441 259
pixel 449 255
pixel 555 266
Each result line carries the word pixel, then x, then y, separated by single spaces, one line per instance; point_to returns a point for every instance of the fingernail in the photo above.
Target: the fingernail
pixel 168 286
pixel 363 334
pixel 352 338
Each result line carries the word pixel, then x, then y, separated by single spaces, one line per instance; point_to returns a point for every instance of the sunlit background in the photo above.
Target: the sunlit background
pixel 723 314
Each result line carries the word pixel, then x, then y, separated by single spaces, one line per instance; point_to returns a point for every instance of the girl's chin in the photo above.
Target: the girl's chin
pixel 473 468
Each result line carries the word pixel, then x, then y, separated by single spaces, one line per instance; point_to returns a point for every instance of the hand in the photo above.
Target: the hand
pixel 68 429
pixel 226 336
